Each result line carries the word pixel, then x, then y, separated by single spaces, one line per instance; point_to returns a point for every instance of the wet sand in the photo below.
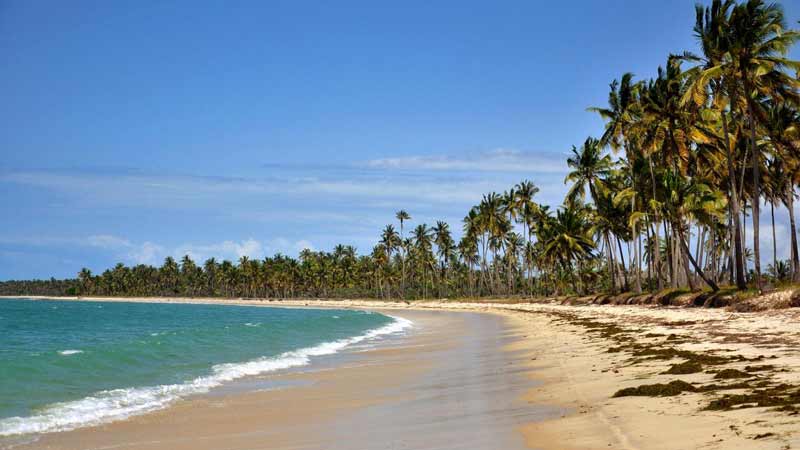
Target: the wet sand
pixel 458 381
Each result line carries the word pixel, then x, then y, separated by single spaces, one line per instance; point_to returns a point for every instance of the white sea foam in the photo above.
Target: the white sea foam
pixel 69 352
pixel 250 324
pixel 117 404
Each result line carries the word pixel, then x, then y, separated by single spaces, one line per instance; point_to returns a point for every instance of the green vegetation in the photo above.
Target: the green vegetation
pixel 660 200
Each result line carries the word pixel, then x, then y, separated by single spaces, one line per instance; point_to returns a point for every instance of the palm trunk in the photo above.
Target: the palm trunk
pixel 793 231
pixel 649 257
pixel 686 254
pixel 622 262
pixel 756 195
pixel 673 262
pixel 657 248
pixel 697 268
pixel 738 255
pixel 774 241
pixel 611 271
pixel 637 258
pixel 713 250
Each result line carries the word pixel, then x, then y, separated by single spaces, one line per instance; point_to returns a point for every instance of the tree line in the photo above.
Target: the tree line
pixel 660 200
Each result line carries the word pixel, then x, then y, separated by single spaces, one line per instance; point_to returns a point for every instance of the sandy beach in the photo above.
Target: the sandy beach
pixel 454 382
pixel 508 376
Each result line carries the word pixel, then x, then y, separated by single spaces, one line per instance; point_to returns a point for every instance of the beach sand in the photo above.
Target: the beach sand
pixel 520 375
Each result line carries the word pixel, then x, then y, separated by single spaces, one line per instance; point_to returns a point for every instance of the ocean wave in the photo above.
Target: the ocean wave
pixel 117 404
pixel 69 352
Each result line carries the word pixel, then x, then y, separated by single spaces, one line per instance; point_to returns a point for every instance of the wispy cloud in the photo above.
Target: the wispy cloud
pixel 500 160
pixel 148 252
pixel 269 210
pixel 432 186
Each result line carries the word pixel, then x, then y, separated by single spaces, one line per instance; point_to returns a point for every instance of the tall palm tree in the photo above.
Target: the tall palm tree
pixel 444 249
pixel 390 242
pixel 621 116
pixel 713 76
pixel 523 202
pixel 590 170
pixel 403 216
pixel 422 237
pixel 758 44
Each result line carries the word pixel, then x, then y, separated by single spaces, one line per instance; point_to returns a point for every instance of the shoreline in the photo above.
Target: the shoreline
pixel 583 355
pixel 450 380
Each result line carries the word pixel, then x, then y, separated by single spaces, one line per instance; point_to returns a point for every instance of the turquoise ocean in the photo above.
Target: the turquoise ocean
pixel 67 364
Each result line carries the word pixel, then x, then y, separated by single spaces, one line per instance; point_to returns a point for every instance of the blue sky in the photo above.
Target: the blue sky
pixel 136 130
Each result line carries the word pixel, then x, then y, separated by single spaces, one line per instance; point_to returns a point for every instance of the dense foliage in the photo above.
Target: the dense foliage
pixel 51 287
pixel 660 200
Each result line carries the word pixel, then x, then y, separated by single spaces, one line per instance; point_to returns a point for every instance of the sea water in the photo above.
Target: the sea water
pixel 67 364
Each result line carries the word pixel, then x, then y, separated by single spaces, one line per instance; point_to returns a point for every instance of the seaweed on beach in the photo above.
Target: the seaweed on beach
pixel 664 353
pixel 672 388
pixel 684 368
pixel 759 368
pixel 730 373
pixel 783 395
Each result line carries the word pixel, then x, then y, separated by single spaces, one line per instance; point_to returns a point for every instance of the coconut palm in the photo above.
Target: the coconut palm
pixel 403 217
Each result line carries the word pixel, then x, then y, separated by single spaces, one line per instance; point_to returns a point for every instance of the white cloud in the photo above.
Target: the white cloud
pixel 146 253
pixel 223 250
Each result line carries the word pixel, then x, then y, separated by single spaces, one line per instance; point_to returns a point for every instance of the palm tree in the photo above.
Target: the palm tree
pixel 468 250
pixel 713 75
pixel 590 170
pixel 690 199
pixel 86 281
pixel 758 41
pixel 569 239
pixel 444 249
pixel 423 245
pixel 403 216
pixel 493 225
pixel 621 117
pixel 210 268
pixel 527 209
